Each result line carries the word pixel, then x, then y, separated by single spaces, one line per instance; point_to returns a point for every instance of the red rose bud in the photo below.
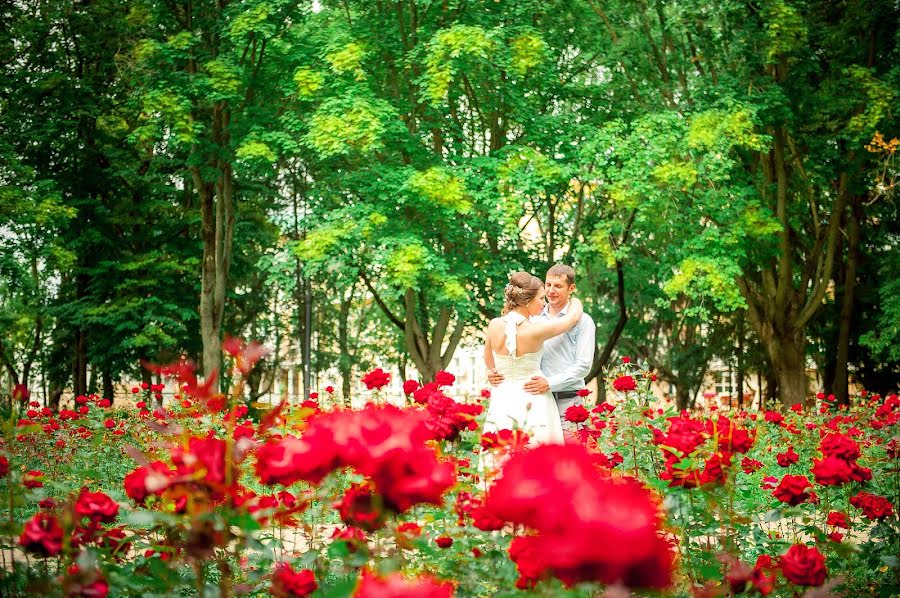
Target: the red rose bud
pixel 329 389
pixel 410 386
pixel 444 541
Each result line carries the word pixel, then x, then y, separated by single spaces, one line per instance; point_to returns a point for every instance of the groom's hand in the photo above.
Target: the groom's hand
pixel 537 385
pixel 495 377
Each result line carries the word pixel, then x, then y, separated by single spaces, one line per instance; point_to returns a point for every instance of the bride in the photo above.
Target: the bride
pixel 514 346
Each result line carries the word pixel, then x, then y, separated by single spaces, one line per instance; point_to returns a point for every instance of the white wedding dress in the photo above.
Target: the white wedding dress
pixel 511 406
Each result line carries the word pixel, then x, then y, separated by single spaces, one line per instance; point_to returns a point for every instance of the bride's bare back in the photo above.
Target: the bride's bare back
pixel 530 336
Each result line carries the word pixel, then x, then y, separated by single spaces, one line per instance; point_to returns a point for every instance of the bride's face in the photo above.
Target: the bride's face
pixel 536 305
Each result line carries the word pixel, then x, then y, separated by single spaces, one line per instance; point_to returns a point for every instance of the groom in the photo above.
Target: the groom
pixel 568 357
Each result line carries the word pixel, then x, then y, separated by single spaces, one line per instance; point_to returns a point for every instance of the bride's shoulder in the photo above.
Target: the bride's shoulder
pixel 495 323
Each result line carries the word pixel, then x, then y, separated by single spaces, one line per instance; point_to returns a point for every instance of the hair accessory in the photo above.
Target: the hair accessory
pixel 509 287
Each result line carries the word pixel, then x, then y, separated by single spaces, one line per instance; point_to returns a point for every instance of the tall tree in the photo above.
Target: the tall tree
pixel 214 83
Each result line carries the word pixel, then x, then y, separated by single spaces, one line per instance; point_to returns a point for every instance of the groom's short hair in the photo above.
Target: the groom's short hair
pixel 563 270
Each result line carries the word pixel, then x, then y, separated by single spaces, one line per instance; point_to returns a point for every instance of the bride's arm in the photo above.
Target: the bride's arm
pixel 544 330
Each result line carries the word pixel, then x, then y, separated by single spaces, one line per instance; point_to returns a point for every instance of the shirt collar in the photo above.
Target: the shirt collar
pixel 562 312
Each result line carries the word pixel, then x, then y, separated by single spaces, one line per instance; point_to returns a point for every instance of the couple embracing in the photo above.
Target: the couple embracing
pixel 538 354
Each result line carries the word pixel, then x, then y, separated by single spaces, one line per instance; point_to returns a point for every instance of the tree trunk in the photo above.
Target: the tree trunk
pixel 602 358
pixel 740 364
pixel 217 232
pixel 682 397
pixel 771 396
pixel 345 360
pixel 788 357
pixel 80 363
pixel 108 390
pixel 841 379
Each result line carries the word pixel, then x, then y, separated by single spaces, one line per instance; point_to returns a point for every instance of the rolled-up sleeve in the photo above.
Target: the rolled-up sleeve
pixel 573 376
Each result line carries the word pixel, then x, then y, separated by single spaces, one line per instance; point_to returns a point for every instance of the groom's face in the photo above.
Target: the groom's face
pixel 558 291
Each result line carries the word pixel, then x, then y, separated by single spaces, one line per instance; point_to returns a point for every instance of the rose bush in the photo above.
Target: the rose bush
pixel 194 497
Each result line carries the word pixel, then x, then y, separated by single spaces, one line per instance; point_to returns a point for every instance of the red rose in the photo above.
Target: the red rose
pixel 576 414
pixel 872 505
pixel 774 417
pixel 411 529
pixel 750 465
pixel 803 565
pixel 104 403
pixel 85 584
pixel 860 474
pixel 97 506
pixel 626 359
pixel 292 459
pixel 838 519
pixel 287 583
pixel 444 541
pixel 359 508
pixel 582 392
pixel 624 383
pixel 42 535
pixel 684 436
pixel 787 458
pixel 792 489
pixel 410 386
pixel 203 460
pixel 485 393
pixel 558 492
pixel 397 586
pixel 407 478
pixel 831 471
pixel 329 389
pixel 732 438
pixel 840 446
pixel 21 393
pixel 147 480
pixel 443 378
pixel 33 479
pixel 376 379
pixel 4 466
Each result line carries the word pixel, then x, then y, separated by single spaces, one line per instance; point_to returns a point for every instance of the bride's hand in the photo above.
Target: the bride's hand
pixel 576 306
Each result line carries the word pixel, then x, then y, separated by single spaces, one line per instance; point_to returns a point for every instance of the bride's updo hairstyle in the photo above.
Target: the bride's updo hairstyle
pixel 522 288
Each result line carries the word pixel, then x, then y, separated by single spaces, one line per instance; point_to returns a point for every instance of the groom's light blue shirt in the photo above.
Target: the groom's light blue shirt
pixel 569 356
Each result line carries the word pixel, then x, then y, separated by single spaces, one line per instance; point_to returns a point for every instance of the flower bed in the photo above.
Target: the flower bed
pixel 198 499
